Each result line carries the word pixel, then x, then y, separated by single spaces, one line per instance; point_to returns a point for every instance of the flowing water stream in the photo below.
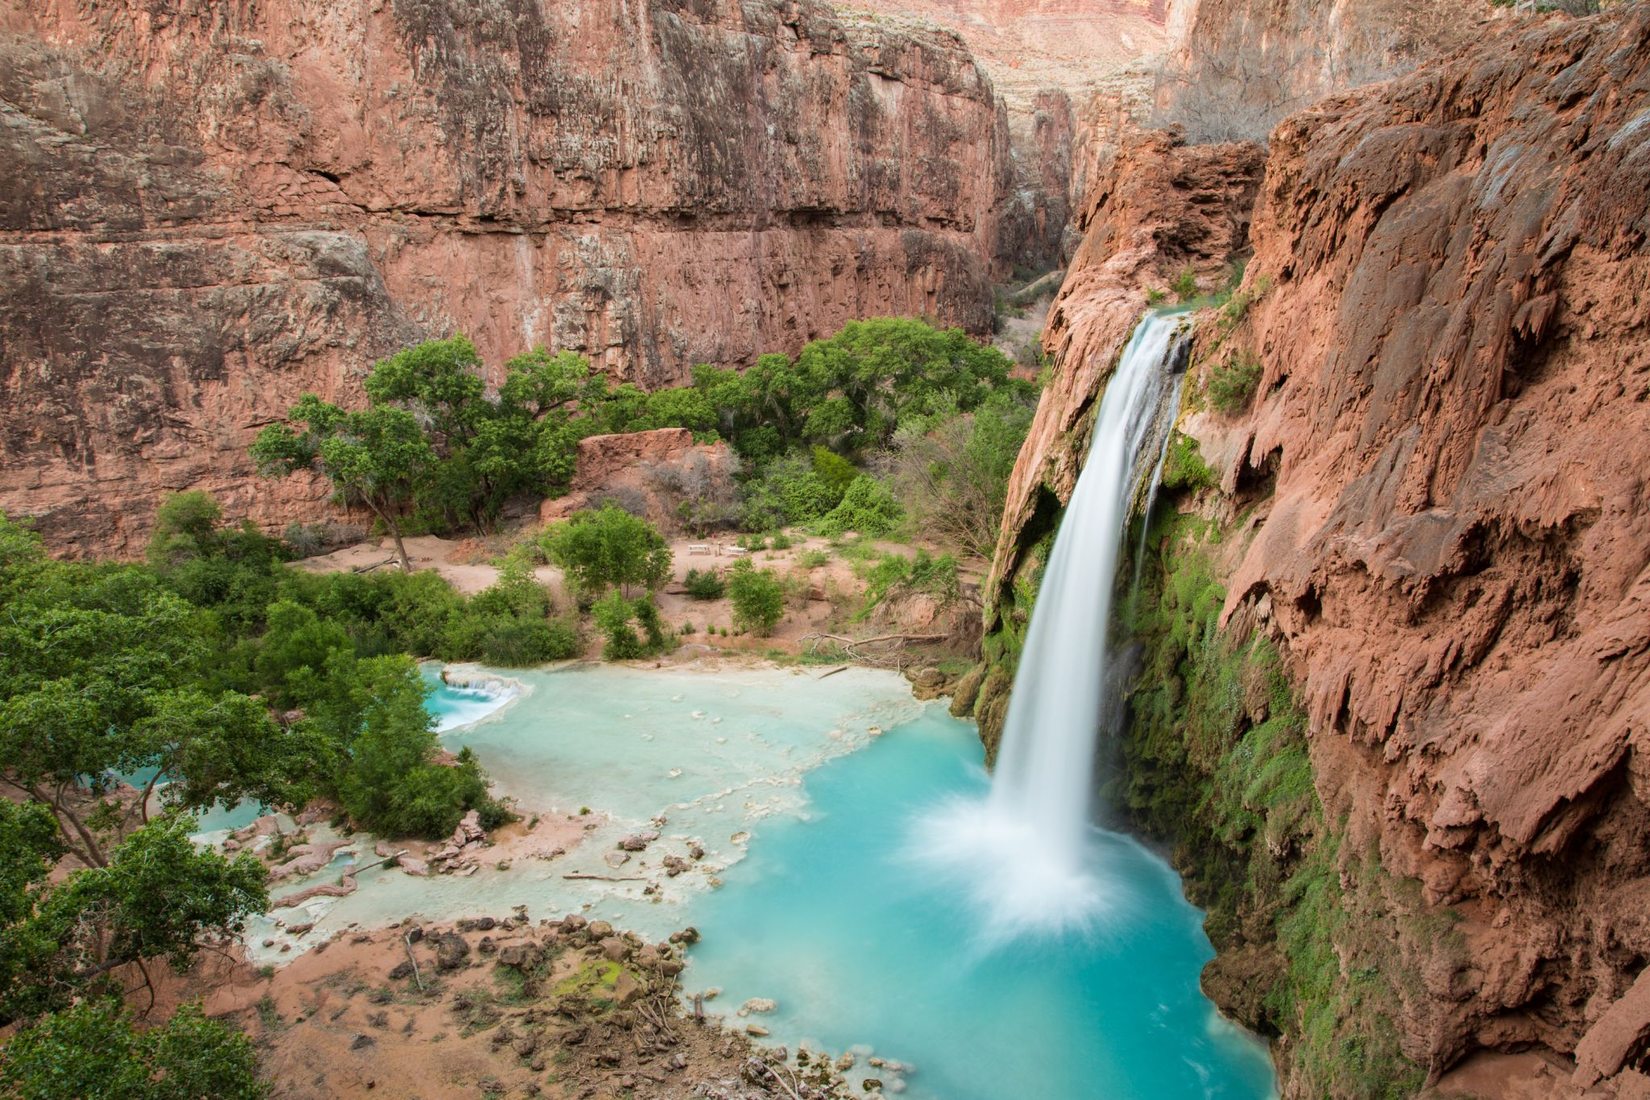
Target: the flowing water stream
pixel 1027 851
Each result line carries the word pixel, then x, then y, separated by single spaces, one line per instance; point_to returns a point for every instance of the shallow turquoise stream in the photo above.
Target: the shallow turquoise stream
pixel 808 796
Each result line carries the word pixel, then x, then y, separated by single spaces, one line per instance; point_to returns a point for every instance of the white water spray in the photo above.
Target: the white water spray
pixel 1026 851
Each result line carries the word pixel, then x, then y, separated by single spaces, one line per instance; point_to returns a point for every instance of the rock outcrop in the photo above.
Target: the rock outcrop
pixel 210 209
pixel 1453 421
pixel 660 474
pixel 1240 66
pixel 1434 506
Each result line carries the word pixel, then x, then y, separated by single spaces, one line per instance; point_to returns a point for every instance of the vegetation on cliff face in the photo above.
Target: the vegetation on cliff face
pixel 1216 762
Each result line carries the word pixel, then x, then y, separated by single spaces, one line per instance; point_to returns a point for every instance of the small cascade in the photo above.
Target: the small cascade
pixel 1028 849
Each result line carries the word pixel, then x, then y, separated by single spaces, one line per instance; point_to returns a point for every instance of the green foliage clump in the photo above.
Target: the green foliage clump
pixel 1156 297
pixel 630 628
pixel 704 584
pixel 1185 285
pixel 389 780
pixel 895 574
pixel 509 624
pixel 758 598
pixel 156 896
pixel 92 1051
pixel 951 474
pixel 1217 761
pixel 608 547
pixel 1184 468
pixel 434 450
pixel 868 507
pixel 1232 384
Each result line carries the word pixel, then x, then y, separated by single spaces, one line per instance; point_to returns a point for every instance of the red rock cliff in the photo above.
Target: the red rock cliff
pixel 210 208
pixel 1442 487
pixel 1455 404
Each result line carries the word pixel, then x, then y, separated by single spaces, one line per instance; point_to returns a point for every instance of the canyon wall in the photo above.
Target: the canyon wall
pixel 1426 507
pixel 1239 66
pixel 208 208
pixel 1072 74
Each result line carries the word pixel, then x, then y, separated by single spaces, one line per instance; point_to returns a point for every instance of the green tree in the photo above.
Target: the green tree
pixel 390 781
pixel 101 675
pixel 758 598
pixel 159 897
pixel 952 476
pixel 186 527
pixel 607 547
pixel 92 1052
pixel 378 457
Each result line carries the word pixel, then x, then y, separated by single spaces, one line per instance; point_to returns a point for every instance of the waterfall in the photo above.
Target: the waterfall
pixel 1031 838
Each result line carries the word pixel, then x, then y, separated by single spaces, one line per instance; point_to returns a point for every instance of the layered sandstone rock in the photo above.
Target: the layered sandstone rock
pixel 1239 66
pixel 1442 484
pixel 661 475
pixel 1455 406
pixel 210 209
pixel 1073 75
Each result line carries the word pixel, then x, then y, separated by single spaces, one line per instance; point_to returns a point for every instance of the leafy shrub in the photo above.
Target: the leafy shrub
pixel 867 507
pixel 924 573
pixel 1156 297
pixel 619 620
pixel 758 598
pixel 92 1050
pixel 614 614
pixel 834 470
pixel 1185 285
pixel 390 782
pixel 1184 468
pixel 704 585
pixel 813 559
pixel 1232 384
pixel 608 546
pixel 781 541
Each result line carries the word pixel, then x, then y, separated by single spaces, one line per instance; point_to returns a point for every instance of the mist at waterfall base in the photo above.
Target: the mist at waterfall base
pixel 1028 852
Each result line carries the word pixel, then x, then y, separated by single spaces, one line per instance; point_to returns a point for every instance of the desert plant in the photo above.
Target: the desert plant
pixel 1232 384
pixel 1185 285
pixel 758 598
pixel 704 585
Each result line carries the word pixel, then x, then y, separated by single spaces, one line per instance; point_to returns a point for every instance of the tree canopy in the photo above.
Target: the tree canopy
pixel 608 547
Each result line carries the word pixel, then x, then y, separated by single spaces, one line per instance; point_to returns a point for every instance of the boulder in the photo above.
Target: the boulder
pixel 452 951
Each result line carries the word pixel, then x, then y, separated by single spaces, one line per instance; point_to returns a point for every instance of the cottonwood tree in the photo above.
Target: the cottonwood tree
pixel 608 547
pixel 159 897
pixel 377 457
pixel 101 676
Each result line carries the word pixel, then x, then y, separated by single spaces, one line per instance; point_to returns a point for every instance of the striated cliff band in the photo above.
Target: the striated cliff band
pixel 210 208
pixel 1397 701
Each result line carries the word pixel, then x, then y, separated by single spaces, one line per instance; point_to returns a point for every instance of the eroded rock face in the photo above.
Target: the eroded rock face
pixel 212 209
pixel 1442 479
pixel 653 474
pixel 1456 405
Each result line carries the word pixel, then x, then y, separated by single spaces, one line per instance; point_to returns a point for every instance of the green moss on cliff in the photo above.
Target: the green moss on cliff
pixel 1217 764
